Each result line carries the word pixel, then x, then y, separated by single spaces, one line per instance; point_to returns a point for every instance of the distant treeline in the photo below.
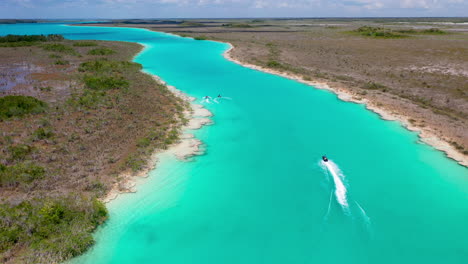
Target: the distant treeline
pixel 31 38
pixel 17 21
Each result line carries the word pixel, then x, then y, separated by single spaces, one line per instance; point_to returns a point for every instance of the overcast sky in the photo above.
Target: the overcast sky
pixel 228 8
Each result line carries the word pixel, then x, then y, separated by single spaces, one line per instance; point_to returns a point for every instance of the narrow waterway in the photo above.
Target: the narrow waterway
pixel 260 193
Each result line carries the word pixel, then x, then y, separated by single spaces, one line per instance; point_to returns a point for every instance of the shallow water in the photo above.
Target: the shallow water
pixel 260 193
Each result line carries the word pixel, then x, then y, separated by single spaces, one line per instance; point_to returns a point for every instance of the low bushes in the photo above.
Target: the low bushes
pixel 53 228
pixel 85 44
pixel 101 51
pixel 103 83
pixel 104 66
pixel 19 105
pixel 20 173
pixel 57 47
pixel 377 32
pixel 31 38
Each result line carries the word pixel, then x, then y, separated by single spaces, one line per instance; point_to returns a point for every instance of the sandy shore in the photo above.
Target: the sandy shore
pixel 426 134
pixel 186 147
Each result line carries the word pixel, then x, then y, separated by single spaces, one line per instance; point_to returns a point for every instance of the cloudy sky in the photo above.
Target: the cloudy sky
pixel 228 8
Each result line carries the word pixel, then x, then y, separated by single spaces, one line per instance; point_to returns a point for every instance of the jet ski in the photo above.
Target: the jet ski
pixel 324 158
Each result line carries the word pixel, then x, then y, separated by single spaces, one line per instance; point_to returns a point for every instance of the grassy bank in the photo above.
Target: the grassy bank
pixel 70 124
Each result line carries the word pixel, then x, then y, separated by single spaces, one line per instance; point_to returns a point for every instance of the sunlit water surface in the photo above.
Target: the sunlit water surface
pixel 260 193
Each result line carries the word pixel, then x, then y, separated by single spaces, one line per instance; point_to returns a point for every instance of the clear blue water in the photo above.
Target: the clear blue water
pixel 260 193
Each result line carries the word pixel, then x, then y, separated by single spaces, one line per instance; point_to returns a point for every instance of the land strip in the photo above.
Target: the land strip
pixel 75 118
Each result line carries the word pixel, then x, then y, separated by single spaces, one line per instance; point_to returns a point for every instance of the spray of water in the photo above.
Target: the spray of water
pixel 325 218
pixel 340 188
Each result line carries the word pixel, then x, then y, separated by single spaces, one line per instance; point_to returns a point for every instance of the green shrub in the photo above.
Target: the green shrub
pixel 46 89
pixel 55 56
pixel 143 142
pixel 135 163
pixel 374 86
pixel 19 105
pixel 42 133
pixel 105 66
pixel 200 38
pixel 102 83
pixel 31 38
pixel 19 151
pixel 91 98
pixel 101 51
pixel 56 47
pixel 85 44
pixel 434 31
pixel 54 229
pixel 274 64
pixel 61 62
pixel 377 32
pixel 14 175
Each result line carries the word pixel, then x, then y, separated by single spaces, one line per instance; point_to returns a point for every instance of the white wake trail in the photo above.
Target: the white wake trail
pixel 340 188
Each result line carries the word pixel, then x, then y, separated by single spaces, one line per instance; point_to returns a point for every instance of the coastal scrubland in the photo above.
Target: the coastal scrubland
pixel 74 116
pixel 412 67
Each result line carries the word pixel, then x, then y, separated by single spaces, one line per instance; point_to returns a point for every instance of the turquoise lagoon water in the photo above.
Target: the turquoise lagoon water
pixel 260 193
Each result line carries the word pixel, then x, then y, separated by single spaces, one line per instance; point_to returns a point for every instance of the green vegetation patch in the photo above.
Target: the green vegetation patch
pixel 19 152
pixel 42 133
pixel 103 83
pixel 101 51
pixel 61 62
pixel 237 25
pixel 200 38
pixel 52 228
pixel 377 32
pixel 31 38
pixel 19 105
pixel 85 44
pixel 20 173
pixel 27 40
pixel 434 31
pixel 57 47
pixel 274 64
pixel 105 66
pixel 375 86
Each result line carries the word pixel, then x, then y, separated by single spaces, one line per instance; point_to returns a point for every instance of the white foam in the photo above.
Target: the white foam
pixel 340 188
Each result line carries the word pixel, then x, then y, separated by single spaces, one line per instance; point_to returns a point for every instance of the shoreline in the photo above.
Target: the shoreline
pixel 186 147
pixel 426 135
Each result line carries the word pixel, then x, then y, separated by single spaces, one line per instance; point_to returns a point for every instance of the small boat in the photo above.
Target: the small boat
pixel 324 158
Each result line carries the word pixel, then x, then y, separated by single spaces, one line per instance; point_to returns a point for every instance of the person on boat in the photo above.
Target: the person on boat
pixel 324 158
pixel 219 96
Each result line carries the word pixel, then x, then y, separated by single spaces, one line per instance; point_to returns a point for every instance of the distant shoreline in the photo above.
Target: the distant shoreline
pixel 426 135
